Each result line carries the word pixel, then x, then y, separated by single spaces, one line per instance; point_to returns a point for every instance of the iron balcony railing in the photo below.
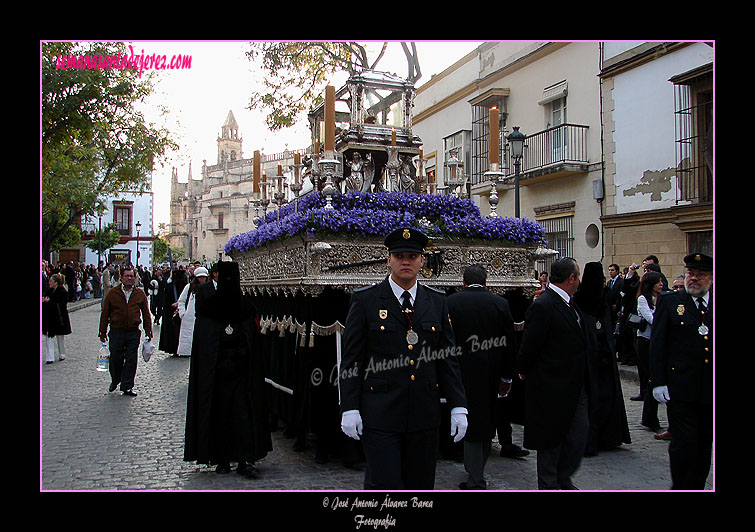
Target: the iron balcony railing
pixel 550 148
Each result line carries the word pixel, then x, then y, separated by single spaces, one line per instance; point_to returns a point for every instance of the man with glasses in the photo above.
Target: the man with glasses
pixel 681 369
pixel 124 309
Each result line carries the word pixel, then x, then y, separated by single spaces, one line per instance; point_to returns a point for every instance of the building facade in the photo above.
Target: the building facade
pixel 598 172
pixel 206 212
pixel 132 213
pixel 550 92
pixel 658 112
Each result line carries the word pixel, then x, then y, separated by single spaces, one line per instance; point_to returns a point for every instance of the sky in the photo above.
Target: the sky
pixel 220 79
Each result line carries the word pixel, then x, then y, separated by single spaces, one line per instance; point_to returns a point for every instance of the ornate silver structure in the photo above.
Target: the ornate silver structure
pixel 308 265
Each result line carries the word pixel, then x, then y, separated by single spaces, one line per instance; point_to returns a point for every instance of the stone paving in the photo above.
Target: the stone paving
pixel 95 440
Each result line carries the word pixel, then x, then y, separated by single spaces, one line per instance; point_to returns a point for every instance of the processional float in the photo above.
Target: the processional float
pixel 302 260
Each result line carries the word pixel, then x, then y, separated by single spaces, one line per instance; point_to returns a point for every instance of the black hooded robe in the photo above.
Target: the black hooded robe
pixel 226 411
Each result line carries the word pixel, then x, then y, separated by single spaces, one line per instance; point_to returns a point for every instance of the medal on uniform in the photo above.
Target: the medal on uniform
pixel 229 329
pixel 680 310
pixel 383 314
pixel 598 325
pixel 412 337
pixel 703 329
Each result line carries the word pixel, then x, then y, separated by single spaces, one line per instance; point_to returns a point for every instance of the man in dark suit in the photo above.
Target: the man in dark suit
pixel 484 330
pixel 681 370
pixel 552 360
pixel 614 285
pixel 398 360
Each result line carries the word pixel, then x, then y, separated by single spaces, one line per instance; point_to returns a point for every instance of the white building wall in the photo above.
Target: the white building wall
pixel 644 130
pixel 142 211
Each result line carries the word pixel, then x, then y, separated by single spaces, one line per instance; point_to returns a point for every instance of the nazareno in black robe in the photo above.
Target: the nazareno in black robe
pixel 606 412
pixel 226 410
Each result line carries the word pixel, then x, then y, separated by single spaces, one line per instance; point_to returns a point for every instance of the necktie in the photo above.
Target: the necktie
pixel 701 304
pixel 571 306
pixel 407 298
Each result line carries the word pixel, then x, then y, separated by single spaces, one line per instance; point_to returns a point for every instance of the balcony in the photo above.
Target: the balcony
pixel 553 153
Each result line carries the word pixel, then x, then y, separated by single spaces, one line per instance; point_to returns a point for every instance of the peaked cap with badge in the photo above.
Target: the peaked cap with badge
pixel 699 261
pixel 406 240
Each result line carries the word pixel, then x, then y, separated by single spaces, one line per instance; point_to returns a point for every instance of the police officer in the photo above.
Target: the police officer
pixel 681 369
pixel 398 361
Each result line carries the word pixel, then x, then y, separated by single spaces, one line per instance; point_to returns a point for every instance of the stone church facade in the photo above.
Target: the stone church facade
pixel 206 212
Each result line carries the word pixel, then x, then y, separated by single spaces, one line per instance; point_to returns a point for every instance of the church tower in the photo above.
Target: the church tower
pixel 229 142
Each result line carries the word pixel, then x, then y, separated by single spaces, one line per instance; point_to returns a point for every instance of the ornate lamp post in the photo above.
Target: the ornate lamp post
pixel 296 186
pixel 138 228
pixel 455 180
pixel 516 143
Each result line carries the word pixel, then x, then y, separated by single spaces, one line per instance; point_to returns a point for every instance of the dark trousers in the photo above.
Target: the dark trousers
pixel 556 466
pixel 650 405
pixel 642 348
pixel 400 460
pixel 691 427
pixel 124 351
pixel 476 455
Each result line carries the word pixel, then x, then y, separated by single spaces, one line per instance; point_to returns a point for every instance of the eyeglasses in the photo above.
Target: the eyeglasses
pixel 698 274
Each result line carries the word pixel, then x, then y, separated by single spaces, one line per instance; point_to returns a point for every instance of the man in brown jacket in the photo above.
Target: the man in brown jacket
pixel 124 308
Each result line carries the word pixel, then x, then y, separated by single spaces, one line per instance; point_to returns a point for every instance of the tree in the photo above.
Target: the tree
pixel 296 72
pixel 95 142
pixel 105 239
pixel 159 249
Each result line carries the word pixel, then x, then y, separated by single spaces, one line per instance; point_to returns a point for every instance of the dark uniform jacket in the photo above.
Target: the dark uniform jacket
pixel 552 357
pixel 397 386
pixel 484 330
pixel 680 356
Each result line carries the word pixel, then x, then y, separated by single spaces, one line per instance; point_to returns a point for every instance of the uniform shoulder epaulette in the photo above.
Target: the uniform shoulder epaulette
pixel 363 288
pixel 436 290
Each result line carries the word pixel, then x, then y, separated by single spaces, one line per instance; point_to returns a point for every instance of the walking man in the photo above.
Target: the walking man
pixel 484 332
pixel 124 309
pixel 553 361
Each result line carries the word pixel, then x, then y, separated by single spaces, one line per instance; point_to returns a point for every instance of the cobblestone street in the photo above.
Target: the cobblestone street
pixel 95 440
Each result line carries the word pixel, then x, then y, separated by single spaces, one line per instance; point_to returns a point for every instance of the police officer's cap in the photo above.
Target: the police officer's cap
pixel 406 241
pixel 699 261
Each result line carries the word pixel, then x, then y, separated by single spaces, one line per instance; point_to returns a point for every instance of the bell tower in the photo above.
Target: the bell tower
pixel 229 142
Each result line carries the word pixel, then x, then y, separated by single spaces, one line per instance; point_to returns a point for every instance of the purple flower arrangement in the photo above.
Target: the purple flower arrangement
pixel 377 214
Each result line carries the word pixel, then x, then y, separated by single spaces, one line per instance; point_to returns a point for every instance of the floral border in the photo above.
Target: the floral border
pixel 377 214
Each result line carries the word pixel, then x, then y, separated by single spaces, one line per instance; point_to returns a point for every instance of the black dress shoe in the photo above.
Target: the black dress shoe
pixel 130 393
pixel 247 470
pixel 223 468
pixel 513 451
pixel 637 398
pixel 463 486
pixel 112 387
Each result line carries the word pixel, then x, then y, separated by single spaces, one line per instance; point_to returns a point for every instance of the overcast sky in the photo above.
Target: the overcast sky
pixel 221 78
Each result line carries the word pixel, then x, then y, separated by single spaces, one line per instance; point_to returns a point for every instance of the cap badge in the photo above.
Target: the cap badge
pixel 407 234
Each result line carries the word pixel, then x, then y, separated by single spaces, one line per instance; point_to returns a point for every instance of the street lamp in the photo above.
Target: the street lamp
pixel 138 227
pixel 516 143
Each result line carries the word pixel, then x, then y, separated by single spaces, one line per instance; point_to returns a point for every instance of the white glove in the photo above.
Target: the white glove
pixel 661 394
pixel 458 424
pixel 351 424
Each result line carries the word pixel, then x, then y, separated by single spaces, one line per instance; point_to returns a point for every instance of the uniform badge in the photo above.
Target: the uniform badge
pixel 598 325
pixel 383 314
pixel 680 310
pixel 229 329
pixel 407 234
